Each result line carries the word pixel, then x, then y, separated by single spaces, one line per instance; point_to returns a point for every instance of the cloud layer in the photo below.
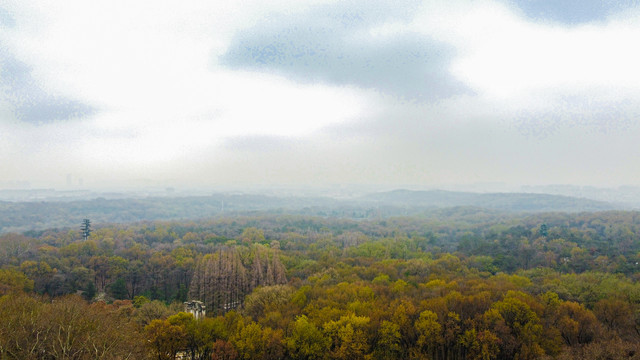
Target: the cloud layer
pixel 348 43
pixel 316 92
pixel 29 101
pixel 573 12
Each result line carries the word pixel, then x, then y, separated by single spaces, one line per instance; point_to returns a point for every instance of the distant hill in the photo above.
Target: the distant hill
pixel 498 201
pixel 26 216
pixel 628 196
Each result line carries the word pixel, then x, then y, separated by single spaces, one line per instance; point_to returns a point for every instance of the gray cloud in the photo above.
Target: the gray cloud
pixel 333 44
pixel 6 20
pixel 573 12
pixel 29 101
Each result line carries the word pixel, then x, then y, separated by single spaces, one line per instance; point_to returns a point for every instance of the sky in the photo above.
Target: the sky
pixel 207 94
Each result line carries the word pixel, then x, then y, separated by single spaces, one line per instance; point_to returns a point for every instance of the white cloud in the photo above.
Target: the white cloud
pixel 506 56
pixel 150 70
pixel 238 105
pixel 166 109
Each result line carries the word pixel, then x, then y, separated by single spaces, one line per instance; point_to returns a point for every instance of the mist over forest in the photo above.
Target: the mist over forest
pixel 319 180
pixel 41 215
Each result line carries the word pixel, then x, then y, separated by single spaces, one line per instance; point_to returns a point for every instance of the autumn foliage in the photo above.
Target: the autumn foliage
pixel 460 286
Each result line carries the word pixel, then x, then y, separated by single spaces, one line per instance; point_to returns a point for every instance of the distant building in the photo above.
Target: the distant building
pixel 196 308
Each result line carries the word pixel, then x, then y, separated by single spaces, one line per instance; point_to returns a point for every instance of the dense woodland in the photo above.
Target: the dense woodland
pixel 460 283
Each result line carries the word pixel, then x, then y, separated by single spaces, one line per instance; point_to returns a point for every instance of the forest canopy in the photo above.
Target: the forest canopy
pixel 459 283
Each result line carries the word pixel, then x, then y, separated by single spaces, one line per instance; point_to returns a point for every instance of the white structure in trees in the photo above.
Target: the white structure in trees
pixel 196 308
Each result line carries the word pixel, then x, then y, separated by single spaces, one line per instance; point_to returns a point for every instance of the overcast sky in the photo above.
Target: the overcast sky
pixel 212 93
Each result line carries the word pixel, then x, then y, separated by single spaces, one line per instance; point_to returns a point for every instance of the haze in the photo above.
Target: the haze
pixel 108 94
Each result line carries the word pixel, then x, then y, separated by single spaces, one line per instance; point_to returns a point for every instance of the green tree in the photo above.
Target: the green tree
pixel 307 342
pixel 11 281
pixel 164 339
pixel 349 337
pixel 118 289
pixel 388 345
pixel 429 332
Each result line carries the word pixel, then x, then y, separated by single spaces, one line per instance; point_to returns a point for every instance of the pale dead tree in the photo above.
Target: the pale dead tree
pixel 256 271
pixel 221 280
